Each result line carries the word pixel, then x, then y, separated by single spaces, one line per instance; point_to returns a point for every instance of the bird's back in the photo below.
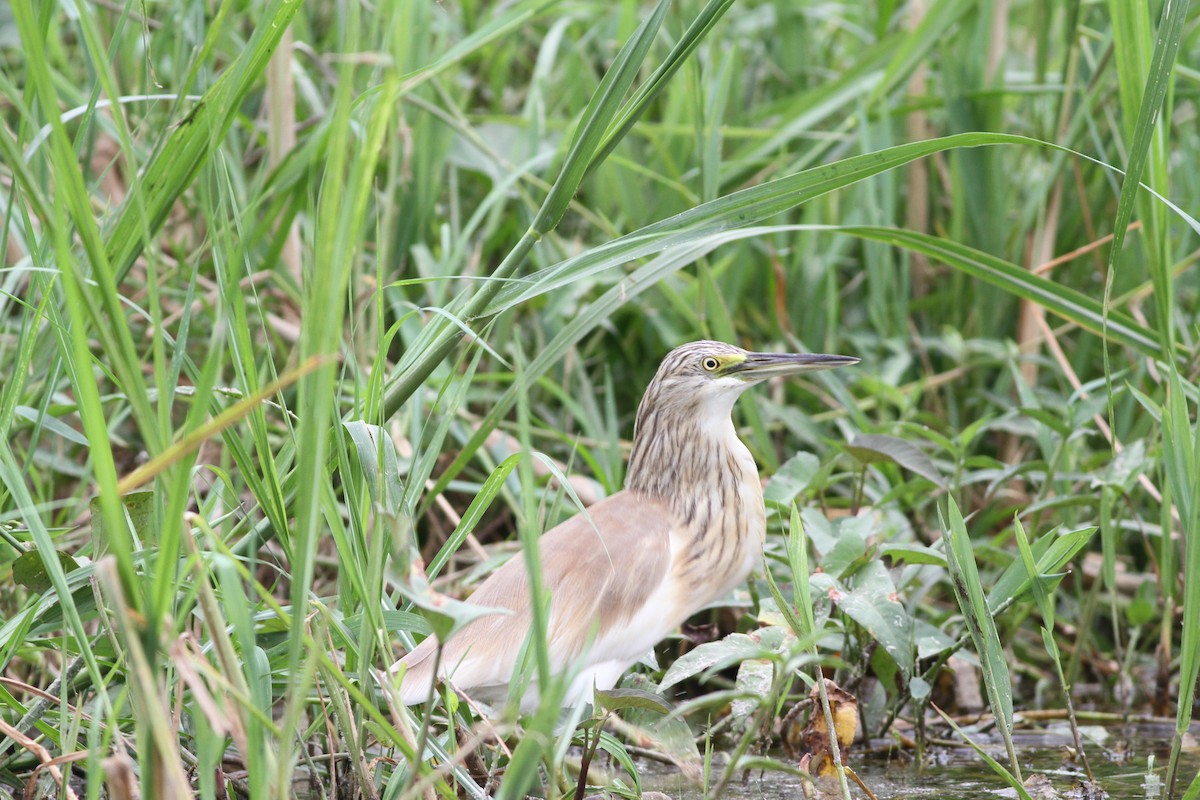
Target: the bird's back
pixel 613 558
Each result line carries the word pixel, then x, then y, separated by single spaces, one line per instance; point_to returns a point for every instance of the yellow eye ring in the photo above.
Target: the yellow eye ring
pixel 710 363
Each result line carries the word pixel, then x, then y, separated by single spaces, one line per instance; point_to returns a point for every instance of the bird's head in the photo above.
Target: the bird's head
pixel 703 370
pixel 686 408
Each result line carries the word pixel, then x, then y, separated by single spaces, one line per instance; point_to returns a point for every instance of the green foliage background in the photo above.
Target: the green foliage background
pixel 310 292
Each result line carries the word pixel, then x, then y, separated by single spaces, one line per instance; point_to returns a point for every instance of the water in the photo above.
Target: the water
pixel 1118 757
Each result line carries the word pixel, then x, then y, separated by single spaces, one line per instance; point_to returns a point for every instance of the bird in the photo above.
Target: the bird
pixel 688 527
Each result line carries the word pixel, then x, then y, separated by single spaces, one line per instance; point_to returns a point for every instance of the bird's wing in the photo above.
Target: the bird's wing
pixel 602 568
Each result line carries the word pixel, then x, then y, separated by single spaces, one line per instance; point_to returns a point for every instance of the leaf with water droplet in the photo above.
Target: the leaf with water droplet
pixel 872 603
pixel 624 699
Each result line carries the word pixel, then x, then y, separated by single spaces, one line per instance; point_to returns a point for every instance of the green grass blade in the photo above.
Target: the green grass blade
pixel 978 617
pixel 470 518
pixel 10 476
pixel 1014 781
pixel 194 140
pixel 1066 302
pixel 1181 457
pixel 1157 81
pixel 628 116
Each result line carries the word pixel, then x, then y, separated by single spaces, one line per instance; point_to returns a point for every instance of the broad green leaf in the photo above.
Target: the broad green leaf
pixel 140 510
pixel 849 545
pixel 913 553
pixel 930 641
pixel 30 571
pixel 733 649
pixel 754 678
pixel 625 699
pixel 1126 466
pixel 669 734
pixel 791 479
pixel 872 603
pixel 874 447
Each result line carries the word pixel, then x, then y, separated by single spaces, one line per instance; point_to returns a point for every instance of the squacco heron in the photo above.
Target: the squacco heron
pixel 688 528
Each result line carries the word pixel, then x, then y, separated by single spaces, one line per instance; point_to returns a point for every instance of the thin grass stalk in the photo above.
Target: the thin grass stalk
pixel 1144 63
pixel 426 722
pixel 281 138
pixel 99 298
pixel 539 594
pixel 628 116
pixel 261 473
pixel 71 205
pixel 1109 555
pixel 797 552
pixel 1181 458
pixel 754 726
pixel 523 768
pixel 10 393
pixel 249 732
pixel 835 749
pixel 271 605
pixel 159 758
pixel 1013 781
pixel 1158 79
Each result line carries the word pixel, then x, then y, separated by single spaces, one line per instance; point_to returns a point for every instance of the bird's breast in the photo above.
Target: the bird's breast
pixel 723 527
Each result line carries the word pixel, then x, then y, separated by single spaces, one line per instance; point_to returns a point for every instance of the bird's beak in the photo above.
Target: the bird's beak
pixel 760 366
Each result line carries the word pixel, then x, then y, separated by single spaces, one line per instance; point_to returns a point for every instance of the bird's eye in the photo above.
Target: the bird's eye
pixel 710 363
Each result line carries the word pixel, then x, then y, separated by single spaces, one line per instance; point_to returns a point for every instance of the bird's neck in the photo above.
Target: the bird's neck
pixel 692 458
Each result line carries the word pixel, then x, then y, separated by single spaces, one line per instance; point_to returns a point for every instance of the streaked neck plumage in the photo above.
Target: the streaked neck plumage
pixel 679 443
pixel 687 454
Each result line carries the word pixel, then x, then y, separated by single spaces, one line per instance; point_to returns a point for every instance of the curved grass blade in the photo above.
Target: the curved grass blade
pixel 436 341
pixel 1068 303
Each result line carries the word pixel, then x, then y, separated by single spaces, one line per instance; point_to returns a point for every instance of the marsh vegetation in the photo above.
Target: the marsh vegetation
pixel 310 314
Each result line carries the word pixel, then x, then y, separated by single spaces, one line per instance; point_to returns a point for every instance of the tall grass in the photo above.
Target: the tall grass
pixel 507 213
